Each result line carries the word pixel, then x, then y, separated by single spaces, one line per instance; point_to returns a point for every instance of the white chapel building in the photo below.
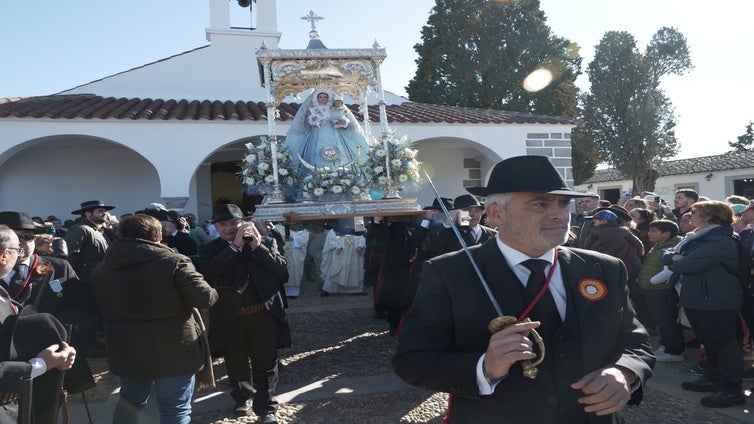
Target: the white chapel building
pixel 174 132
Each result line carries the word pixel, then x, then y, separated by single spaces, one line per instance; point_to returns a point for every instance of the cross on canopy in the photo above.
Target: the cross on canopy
pixel 312 18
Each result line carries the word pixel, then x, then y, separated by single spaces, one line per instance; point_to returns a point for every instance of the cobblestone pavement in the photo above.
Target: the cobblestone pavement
pixel 337 337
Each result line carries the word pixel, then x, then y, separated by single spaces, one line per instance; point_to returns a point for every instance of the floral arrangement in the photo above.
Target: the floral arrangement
pixel 404 168
pixel 342 184
pixel 256 169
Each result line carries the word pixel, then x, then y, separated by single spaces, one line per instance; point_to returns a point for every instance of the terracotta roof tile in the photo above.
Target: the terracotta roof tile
pixel 725 161
pixel 90 106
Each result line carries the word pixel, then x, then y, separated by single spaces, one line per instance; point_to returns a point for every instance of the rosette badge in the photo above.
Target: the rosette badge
pixel 42 269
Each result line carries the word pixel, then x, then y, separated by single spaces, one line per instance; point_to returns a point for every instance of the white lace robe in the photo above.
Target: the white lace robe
pixel 343 263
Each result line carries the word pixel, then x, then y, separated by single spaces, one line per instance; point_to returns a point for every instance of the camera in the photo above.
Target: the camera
pixel 463 218
pixel 246 228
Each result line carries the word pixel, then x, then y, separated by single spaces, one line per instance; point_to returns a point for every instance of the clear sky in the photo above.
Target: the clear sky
pixel 49 46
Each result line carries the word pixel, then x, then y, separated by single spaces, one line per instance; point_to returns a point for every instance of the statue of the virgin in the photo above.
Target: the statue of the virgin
pixel 325 136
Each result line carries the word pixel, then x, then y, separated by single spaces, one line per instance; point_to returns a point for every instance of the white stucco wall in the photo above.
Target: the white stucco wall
pixel 134 163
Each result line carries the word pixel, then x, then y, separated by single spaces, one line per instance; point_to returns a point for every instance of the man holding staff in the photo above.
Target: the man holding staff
pixel 597 354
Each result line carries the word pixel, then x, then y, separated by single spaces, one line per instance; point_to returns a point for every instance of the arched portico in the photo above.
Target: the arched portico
pixel 39 175
pixel 452 163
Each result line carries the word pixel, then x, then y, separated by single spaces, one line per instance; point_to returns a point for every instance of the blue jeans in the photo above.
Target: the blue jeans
pixel 173 398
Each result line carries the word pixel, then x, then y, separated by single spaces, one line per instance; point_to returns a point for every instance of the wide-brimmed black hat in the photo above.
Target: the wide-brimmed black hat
pixel 20 221
pixel 226 212
pixel 531 174
pixel 466 201
pixel 31 332
pixel 448 202
pixel 91 205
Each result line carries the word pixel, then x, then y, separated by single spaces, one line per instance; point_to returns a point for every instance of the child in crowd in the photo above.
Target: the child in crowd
pixel 661 297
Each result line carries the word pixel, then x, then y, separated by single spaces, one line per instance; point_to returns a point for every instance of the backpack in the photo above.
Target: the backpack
pixel 745 264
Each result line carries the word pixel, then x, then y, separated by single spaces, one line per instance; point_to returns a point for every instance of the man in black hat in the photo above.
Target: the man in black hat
pixel 50 285
pixel 173 236
pixel 31 345
pixel 87 244
pixel 248 322
pixel 597 354
pixel 466 213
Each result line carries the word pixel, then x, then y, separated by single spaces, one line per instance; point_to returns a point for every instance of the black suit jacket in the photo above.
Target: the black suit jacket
pixel 65 304
pixel 226 270
pixel 182 242
pixel 445 333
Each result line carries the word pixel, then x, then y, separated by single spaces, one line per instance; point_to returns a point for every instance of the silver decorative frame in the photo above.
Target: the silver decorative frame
pixel 353 72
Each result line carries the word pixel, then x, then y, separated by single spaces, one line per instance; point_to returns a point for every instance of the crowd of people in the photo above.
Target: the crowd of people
pixel 154 277
pixel 686 277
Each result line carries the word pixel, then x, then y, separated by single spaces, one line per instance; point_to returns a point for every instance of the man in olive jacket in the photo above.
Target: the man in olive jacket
pixel 146 293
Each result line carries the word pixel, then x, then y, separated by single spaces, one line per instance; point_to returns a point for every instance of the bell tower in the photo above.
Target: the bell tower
pixel 266 23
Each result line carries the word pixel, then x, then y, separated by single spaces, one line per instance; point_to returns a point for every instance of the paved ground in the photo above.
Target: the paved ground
pixel 339 371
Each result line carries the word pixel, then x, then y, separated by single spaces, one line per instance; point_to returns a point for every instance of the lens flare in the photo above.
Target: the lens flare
pixel 537 80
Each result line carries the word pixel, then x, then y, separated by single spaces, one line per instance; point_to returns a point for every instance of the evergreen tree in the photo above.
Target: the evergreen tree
pixel 628 116
pixel 744 142
pixel 477 53
pixel 584 156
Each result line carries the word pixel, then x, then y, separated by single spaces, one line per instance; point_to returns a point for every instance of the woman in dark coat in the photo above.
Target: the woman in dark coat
pixel 704 263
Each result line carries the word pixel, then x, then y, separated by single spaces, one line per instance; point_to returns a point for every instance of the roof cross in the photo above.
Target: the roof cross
pixel 312 18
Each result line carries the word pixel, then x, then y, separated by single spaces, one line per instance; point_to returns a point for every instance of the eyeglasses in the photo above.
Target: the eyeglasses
pixel 26 237
pixel 20 250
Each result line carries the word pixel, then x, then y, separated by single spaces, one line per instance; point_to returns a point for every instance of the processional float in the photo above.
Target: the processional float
pixel 367 187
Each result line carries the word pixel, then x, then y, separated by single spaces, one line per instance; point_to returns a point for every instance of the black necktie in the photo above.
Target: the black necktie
pixel 16 281
pixel 545 310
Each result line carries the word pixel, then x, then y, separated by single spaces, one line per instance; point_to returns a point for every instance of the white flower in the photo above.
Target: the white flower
pixel 396 163
pixel 411 165
pixel 289 181
pixel 382 179
pixel 410 153
pixel 249 146
pixel 282 171
pixel 355 190
pixel 269 179
pixel 337 189
pixel 380 152
pixel 378 169
pixel 250 158
pixel 402 178
pixel 249 181
pixel 319 191
pixel 262 167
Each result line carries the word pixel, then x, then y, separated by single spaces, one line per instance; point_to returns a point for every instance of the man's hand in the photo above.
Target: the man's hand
pixel 59 356
pixel 247 234
pixel 608 390
pixel 507 347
